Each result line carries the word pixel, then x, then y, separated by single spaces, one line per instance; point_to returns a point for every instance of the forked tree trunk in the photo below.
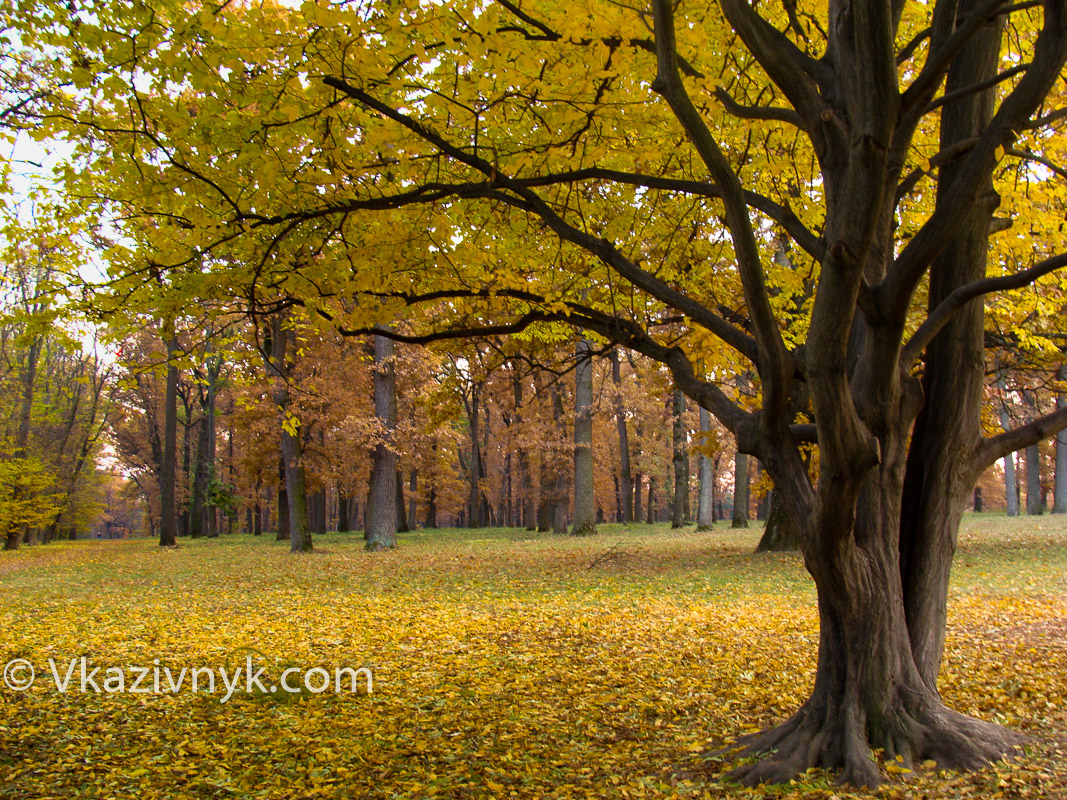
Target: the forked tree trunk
pixel 882 575
pixel 869 690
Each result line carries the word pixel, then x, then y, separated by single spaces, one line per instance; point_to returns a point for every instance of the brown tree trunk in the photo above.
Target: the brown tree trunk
pixel 342 509
pixel 381 522
pixel 626 483
pixel 781 533
pixel 681 488
pixel 705 478
pixel 283 501
pixel 168 518
pixel 584 522
pixel 1059 499
pixel 15 527
pixel 740 515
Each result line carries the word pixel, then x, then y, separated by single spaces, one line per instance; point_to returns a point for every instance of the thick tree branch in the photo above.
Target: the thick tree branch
pixel 1001 445
pixel 774 364
pixel 765 113
pixel 956 201
pixel 961 296
pixel 810 243
pixel 529 201
pixel 795 73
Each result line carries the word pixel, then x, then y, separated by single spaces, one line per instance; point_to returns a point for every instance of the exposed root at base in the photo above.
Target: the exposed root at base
pixel 842 741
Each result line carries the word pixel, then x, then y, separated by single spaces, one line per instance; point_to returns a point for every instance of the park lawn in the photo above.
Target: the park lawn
pixel 505 664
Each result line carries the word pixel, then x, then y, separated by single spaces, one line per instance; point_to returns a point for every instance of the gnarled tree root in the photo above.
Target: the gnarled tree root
pixel 844 739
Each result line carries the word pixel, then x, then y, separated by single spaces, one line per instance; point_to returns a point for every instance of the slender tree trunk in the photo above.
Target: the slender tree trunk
pixel 401 511
pixel 197 503
pixel 740 515
pixel 413 497
pixel 638 487
pixel 529 508
pixel 474 501
pixel 257 520
pixel 283 500
pixel 1035 504
pixel 584 500
pixel 16 529
pixel 168 520
pixel 292 475
pixel 626 484
pixel 651 500
pixel 562 490
pixel 342 509
pixel 678 446
pixel 1011 484
pixel 705 478
pixel 296 488
pixel 1059 500
pixel 381 501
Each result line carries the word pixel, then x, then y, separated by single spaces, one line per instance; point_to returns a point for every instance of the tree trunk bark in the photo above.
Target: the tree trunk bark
pixel 168 518
pixel 283 501
pixel 740 515
pixel 781 533
pixel 584 501
pixel 401 511
pixel 626 484
pixel 342 509
pixel 678 458
pixel 651 500
pixel 474 501
pixel 16 528
pixel 413 498
pixel 639 481
pixel 1035 503
pixel 381 501
pixel 1059 500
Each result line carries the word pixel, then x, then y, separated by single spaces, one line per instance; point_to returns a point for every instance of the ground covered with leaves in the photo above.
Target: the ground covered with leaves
pixel 505 664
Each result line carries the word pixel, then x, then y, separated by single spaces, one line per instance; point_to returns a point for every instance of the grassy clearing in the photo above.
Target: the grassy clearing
pixel 503 664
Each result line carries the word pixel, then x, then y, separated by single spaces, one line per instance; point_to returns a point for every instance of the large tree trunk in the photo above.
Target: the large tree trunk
pixel 740 515
pixel 584 500
pixel 870 691
pixel 681 488
pixel 168 519
pixel 381 500
pixel 881 541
